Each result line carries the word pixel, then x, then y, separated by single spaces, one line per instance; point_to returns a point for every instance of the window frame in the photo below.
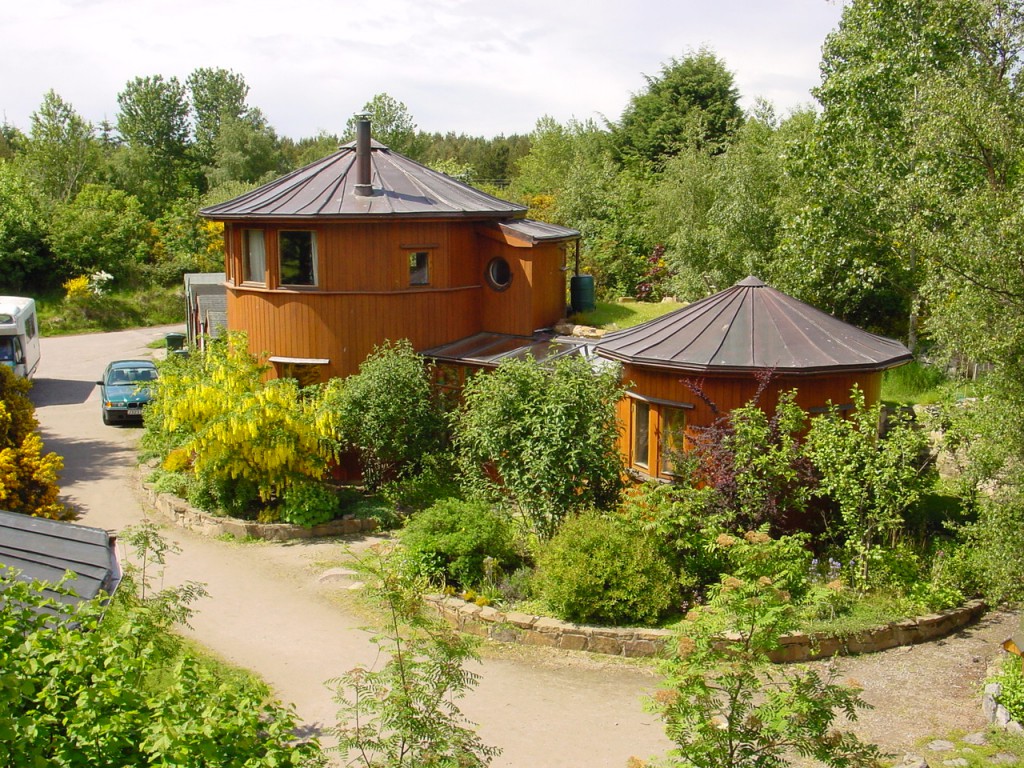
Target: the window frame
pixel 415 268
pixel 492 282
pixel 248 275
pixel 314 268
pixel 657 429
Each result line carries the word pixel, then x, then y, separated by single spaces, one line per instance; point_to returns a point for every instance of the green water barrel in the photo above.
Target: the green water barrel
pixel 581 293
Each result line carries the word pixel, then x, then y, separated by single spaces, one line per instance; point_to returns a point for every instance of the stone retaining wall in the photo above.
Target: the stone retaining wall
pixel 525 629
pixel 184 515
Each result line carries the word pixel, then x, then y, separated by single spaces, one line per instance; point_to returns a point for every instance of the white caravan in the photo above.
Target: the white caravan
pixel 19 335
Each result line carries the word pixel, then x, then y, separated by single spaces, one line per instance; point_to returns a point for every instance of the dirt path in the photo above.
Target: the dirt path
pixel 269 611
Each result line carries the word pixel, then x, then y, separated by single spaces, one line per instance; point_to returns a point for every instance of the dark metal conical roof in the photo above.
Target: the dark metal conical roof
pixel 752 326
pixel 401 187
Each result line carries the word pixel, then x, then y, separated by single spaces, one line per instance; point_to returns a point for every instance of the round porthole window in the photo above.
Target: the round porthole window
pixel 499 274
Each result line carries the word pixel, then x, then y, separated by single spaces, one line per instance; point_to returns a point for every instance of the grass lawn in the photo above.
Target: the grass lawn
pixel 613 316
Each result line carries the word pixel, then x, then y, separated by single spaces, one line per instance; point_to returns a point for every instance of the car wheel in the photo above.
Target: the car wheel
pixel 106 418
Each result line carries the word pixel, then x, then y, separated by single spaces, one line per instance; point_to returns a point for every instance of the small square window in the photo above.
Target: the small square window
pixel 419 268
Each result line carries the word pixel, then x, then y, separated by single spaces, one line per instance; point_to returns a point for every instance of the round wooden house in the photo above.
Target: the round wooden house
pixel 366 245
pixel 723 346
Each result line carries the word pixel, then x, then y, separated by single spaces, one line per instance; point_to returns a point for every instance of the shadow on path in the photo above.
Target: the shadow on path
pixel 60 392
pixel 86 459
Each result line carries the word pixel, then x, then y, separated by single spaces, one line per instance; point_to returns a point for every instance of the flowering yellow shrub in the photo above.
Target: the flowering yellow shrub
pixel 234 425
pixel 77 288
pixel 28 480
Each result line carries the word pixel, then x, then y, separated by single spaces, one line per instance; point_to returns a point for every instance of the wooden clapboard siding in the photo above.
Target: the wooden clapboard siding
pixel 363 295
pixel 547 280
pixel 345 327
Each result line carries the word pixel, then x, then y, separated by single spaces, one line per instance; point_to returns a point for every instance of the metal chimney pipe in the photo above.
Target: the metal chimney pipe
pixel 364 187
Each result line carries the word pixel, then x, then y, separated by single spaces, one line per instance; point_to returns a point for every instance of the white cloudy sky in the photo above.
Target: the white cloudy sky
pixel 480 67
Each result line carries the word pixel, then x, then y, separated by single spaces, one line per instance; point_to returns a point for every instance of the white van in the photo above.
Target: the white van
pixel 19 335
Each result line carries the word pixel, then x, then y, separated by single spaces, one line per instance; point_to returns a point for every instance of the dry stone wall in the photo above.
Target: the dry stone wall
pixel 184 515
pixel 511 627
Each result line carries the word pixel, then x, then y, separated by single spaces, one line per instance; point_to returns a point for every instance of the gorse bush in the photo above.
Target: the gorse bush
pixel 449 542
pixel 599 570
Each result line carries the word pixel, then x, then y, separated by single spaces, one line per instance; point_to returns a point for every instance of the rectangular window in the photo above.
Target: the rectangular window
pixel 419 268
pixel 673 423
pixel 641 433
pixel 254 256
pixel 297 252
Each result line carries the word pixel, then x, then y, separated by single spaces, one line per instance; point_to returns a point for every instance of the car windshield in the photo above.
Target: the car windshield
pixel 130 376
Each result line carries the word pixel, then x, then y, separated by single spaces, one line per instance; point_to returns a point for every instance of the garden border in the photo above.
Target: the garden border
pixel 184 515
pixel 524 629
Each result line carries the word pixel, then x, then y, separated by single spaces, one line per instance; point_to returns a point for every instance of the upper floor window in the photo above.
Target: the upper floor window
pixel 254 256
pixel 419 268
pixel 297 253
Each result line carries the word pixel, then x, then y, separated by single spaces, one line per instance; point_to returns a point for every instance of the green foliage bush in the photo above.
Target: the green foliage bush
pixel 436 479
pixel 542 439
pixel 94 685
pixel 387 412
pixel 598 570
pixel 307 503
pixel 1011 678
pixel 450 541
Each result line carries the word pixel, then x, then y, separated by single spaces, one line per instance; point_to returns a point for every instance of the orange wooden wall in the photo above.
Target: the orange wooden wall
pixel 729 392
pixel 363 296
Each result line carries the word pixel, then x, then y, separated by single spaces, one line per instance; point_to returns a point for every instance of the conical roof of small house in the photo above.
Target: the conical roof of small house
pixel 401 187
pixel 749 327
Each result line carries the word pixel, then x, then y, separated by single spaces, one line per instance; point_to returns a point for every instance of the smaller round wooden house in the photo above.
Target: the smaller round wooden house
pixel 724 344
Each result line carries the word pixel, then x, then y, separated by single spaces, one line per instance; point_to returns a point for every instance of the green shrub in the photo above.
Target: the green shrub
pixel 598 570
pixel 308 504
pixel 436 480
pixel 679 521
pixel 1011 678
pixel 785 561
pixel 449 542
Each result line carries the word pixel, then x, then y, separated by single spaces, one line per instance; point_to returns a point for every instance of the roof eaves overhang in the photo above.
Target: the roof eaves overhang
pixel 353 218
pixel 695 368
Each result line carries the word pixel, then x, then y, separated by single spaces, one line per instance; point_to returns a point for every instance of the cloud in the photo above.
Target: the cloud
pixel 468 66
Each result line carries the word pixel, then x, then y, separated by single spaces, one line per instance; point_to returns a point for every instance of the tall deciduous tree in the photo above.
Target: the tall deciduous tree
pixel 845 249
pixel 23 254
pixel 62 152
pixel 217 95
pixel 392 125
pixel 693 102
pixel 154 122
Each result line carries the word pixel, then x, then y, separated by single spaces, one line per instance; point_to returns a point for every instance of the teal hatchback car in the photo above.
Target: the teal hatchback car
pixel 125 389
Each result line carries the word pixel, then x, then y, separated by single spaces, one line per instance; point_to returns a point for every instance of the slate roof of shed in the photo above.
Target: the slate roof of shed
pixel 44 550
pixel 401 187
pixel 752 326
